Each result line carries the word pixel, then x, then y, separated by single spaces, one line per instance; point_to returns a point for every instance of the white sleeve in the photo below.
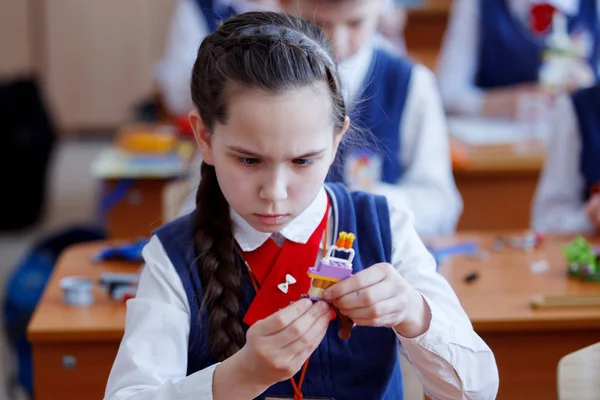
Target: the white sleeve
pixel 152 359
pixel 558 202
pixel 457 66
pixel 450 359
pixel 173 72
pixel 427 185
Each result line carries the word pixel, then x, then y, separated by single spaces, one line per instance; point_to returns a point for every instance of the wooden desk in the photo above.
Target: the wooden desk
pixel 527 343
pixel 425 26
pixel 88 336
pixel 497 184
pixel 132 191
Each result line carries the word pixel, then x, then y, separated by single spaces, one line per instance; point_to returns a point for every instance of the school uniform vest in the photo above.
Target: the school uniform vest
pixel 379 111
pixel 214 13
pixel 587 108
pixel 509 53
pixel 364 367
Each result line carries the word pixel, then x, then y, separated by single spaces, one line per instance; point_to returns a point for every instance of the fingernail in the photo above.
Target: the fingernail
pixel 323 306
pixel 327 295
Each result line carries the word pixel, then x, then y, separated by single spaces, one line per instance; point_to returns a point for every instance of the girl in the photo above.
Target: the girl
pixel 211 320
pixel 568 195
pixel 492 51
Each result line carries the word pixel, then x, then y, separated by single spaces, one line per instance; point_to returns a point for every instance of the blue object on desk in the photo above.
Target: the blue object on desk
pixel 128 252
pixel 441 253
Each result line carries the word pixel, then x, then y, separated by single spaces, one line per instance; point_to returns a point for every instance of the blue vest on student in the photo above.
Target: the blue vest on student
pixel 587 108
pixel 364 367
pixel 214 12
pixel 379 111
pixel 509 53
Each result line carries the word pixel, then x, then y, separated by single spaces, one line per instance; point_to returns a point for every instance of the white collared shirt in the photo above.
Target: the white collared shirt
pixel 450 359
pixel 457 67
pixel 558 202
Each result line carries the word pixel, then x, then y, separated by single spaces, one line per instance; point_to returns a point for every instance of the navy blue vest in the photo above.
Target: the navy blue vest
pixel 379 110
pixel 587 108
pixel 364 367
pixel 509 53
pixel 214 12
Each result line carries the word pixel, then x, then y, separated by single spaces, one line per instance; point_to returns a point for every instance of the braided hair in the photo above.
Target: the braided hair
pixel 265 51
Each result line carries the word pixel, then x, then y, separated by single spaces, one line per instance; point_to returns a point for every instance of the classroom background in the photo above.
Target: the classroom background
pixel 97 161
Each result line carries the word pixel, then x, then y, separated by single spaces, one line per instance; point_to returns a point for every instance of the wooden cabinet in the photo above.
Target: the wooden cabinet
pixel 66 371
pixel 74 347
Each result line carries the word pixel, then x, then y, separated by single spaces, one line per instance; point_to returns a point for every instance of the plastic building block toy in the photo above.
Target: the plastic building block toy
pixel 119 286
pixel 583 260
pixel 331 269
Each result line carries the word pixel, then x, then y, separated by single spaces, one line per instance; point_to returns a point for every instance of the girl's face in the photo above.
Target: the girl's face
pixel 348 24
pixel 272 155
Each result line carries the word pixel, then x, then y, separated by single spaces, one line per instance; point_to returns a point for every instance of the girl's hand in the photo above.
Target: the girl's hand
pixel 380 296
pixel 277 346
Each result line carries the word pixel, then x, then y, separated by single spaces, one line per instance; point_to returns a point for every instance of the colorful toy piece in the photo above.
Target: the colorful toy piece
pixel 332 269
pixel 583 259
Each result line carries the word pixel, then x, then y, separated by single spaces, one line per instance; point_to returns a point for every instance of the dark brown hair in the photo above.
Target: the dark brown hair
pixel 265 51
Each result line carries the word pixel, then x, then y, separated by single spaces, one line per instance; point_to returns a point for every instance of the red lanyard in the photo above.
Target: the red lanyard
pixel 297 388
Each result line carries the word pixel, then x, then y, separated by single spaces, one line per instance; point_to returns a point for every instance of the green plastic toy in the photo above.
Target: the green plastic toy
pixel 583 260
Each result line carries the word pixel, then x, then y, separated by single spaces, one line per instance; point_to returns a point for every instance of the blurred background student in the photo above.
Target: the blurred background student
pixel 568 195
pixel 493 51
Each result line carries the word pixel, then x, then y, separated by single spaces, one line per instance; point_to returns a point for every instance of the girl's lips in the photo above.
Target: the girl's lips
pixel 271 219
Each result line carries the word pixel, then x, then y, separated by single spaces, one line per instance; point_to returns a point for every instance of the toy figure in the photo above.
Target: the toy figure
pixel 565 64
pixel 330 270
pixel 583 260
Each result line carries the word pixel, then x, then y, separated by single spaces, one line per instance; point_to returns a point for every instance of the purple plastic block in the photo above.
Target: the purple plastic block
pixel 333 270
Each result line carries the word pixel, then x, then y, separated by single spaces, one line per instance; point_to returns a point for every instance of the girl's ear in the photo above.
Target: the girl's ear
pixel 338 137
pixel 202 136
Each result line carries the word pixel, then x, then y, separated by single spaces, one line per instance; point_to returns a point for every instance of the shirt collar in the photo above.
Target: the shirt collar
pixel 298 230
pixel 569 7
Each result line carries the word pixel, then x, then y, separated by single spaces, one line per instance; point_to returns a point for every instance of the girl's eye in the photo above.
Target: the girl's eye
pixel 249 162
pixel 302 162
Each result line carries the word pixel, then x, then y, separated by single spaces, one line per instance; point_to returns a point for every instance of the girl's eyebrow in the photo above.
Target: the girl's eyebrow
pixel 255 155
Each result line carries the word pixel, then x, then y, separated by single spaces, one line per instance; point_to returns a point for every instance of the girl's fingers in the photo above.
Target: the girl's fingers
pixel 378 310
pixel 299 328
pixel 303 347
pixel 283 318
pixel 367 297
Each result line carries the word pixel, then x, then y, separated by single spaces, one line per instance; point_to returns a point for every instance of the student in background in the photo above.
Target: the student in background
pixel 568 195
pixel 398 102
pixel 492 51
pixel 219 312
pixel 192 20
